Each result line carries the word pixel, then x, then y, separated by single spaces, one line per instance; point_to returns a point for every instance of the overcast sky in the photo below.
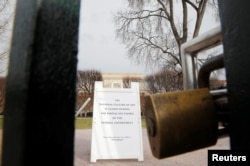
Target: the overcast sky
pixel 98 47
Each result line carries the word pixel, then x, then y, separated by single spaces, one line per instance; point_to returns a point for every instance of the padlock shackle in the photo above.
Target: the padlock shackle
pixel 209 66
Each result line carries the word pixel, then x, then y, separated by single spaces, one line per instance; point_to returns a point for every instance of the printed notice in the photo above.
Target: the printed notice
pixel 116 131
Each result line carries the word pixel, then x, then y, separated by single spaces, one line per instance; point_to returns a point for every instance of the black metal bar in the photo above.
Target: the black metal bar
pixel 17 84
pixel 235 18
pixel 39 117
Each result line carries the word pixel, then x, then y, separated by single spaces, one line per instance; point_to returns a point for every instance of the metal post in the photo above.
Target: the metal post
pixel 235 18
pixel 40 98
pixel 17 84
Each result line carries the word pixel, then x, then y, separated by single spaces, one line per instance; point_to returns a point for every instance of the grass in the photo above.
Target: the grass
pixel 83 123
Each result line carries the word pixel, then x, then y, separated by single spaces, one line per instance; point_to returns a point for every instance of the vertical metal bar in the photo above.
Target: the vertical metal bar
pixel 40 101
pixel 189 70
pixel 17 84
pixel 235 18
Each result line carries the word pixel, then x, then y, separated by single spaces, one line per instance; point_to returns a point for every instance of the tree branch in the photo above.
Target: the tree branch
pixel 185 22
pixel 170 19
pixel 200 14
pixel 192 5
pixel 160 48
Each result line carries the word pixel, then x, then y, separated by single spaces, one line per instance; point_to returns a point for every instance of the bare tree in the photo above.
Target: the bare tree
pixel 5 19
pixel 154 30
pixel 151 84
pixel 164 81
pixel 85 87
pixel 173 80
pixel 6 16
pixel 86 80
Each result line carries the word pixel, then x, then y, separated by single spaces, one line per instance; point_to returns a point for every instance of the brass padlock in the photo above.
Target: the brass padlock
pixel 179 122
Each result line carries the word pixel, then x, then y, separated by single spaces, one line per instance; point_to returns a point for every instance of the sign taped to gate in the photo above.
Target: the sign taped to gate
pixel 116 128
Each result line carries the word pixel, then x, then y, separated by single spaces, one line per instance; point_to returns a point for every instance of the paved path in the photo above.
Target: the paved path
pixel 195 158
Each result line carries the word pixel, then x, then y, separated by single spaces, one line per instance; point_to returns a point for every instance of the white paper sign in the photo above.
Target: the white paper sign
pixel 116 128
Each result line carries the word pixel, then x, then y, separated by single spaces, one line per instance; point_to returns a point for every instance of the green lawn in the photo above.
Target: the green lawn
pixel 81 123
